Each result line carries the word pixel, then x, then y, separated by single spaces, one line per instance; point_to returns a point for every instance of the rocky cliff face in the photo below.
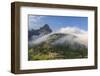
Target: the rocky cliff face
pixel 33 34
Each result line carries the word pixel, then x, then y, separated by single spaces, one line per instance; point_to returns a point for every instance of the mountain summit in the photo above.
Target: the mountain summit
pixel 34 34
pixel 45 29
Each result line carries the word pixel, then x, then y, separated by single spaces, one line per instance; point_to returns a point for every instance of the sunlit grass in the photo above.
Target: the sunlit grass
pixel 47 52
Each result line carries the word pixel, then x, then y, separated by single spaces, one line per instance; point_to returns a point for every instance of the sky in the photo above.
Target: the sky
pixel 57 22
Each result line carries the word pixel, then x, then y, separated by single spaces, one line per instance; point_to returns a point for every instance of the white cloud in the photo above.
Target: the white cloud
pixel 35 22
pixel 81 36
pixel 73 30
pixel 35 18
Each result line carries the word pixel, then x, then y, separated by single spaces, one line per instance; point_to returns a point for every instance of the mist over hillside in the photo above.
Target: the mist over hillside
pixel 72 35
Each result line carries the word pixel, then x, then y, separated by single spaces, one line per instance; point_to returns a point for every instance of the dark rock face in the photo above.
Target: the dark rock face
pixel 45 29
pixel 39 32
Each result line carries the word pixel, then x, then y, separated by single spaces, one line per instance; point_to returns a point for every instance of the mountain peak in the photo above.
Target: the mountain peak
pixel 39 32
pixel 45 29
pixel 46 26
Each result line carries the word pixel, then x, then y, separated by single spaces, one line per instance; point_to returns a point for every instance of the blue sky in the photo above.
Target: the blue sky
pixel 57 22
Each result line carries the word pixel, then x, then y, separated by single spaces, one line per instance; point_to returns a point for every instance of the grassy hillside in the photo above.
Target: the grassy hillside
pixel 45 51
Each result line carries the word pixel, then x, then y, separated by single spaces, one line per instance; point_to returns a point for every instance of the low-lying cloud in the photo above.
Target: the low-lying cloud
pixel 81 36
